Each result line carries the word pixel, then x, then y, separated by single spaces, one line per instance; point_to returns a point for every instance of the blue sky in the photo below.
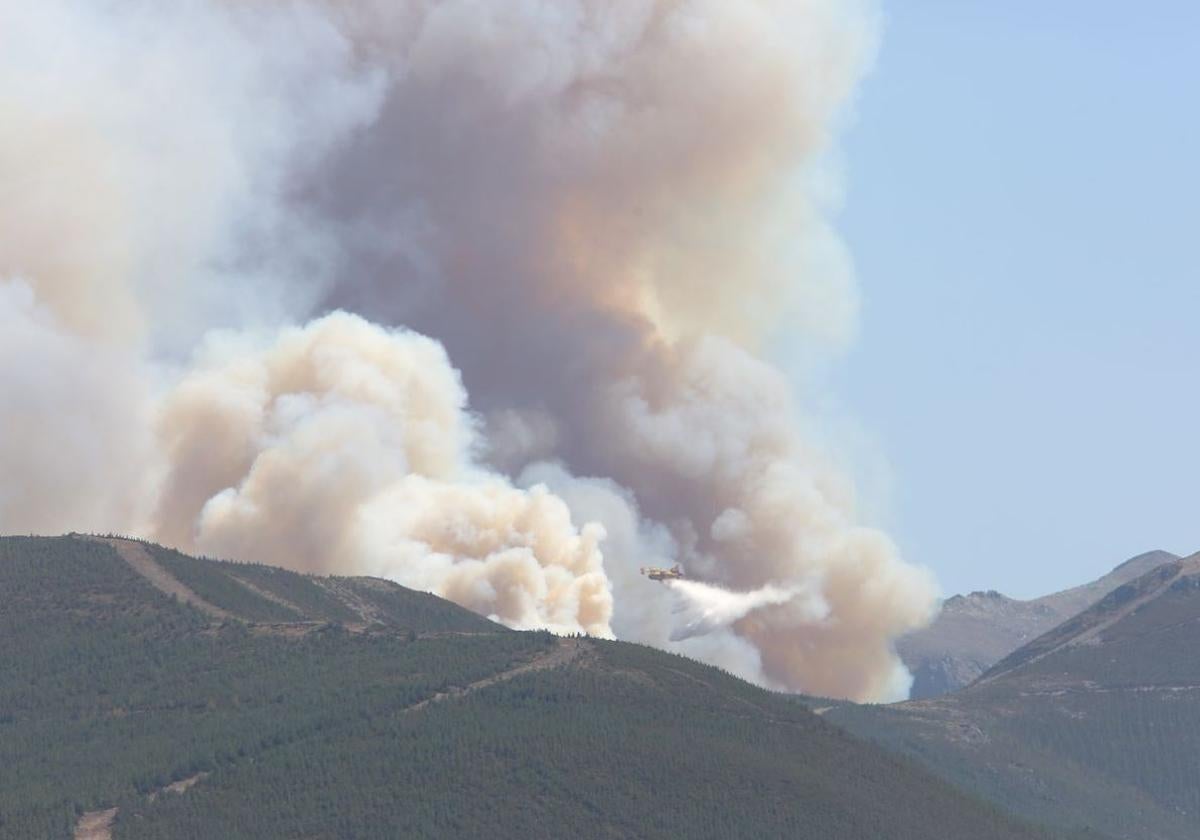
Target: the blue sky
pixel 1023 207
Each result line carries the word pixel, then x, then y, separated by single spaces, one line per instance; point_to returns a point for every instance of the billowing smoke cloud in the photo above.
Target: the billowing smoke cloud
pixel 597 211
pixel 345 447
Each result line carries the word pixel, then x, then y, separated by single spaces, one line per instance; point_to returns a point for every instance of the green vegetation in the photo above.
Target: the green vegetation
pixel 213 582
pixel 112 690
pixel 632 743
pixel 304 593
pixel 401 607
pixel 268 594
pixel 1094 725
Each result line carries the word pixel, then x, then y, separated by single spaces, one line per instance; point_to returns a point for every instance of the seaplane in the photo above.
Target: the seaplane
pixel 673 573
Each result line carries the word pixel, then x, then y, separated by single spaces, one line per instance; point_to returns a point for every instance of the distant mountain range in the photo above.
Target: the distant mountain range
pixel 145 694
pixel 1092 727
pixel 973 632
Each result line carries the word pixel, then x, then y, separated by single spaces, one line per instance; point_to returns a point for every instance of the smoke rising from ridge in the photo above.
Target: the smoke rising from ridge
pixel 345 447
pixel 592 213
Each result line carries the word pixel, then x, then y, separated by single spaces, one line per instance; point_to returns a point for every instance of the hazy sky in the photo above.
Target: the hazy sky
pixel 1024 210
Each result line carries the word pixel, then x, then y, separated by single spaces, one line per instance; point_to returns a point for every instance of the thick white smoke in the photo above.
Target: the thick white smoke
pixel 599 208
pixel 343 447
pixel 71 418
pixel 703 608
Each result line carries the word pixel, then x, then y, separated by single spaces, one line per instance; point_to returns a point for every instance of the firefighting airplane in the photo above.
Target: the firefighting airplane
pixel 673 573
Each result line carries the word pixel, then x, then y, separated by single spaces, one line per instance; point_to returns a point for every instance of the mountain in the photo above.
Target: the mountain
pixel 1094 725
pixel 975 631
pixel 146 694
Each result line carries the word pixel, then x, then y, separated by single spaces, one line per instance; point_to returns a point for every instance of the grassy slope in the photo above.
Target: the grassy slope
pixel 112 690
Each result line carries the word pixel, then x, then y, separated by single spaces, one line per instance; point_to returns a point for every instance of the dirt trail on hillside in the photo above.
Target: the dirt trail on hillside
pixel 566 651
pixel 95 825
pixel 366 611
pixel 139 559
pixel 180 787
pixel 278 600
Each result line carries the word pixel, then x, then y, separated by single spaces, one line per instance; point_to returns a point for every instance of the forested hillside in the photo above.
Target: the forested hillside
pixel 1095 724
pixel 160 697
pixel 973 632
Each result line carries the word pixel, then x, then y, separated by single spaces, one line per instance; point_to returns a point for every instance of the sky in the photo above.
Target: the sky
pixel 1023 208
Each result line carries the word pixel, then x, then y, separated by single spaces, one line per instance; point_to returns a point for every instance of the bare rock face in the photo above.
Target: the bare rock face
pixel 975 631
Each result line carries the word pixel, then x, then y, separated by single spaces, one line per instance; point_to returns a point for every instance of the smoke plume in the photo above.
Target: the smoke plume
pixel 259 253
pixel 342 446
pixel 702 608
